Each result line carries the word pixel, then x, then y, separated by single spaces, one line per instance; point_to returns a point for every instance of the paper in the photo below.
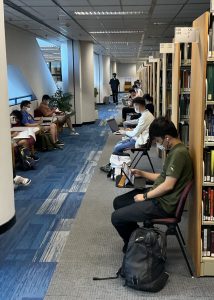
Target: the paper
pixel 167 47
pixel 186 35
pixel 26 134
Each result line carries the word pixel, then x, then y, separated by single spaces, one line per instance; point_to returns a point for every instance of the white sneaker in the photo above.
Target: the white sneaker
pixel 74 133
pixel 19 180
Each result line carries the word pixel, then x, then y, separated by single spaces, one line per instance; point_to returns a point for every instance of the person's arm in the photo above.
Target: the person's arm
pixel 36 124
pixel 164 188
pixel 46 111
pixel 141 126
pixel 147 175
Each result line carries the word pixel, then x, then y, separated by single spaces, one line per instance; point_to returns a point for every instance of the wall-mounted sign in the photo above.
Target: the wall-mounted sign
pixel 186 35
pixel 167 47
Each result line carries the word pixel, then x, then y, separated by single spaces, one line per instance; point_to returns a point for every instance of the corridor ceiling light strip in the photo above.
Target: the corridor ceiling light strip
pixel 107 13
pixel 116 31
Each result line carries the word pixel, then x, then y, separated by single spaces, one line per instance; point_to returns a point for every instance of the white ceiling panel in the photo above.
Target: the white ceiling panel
pixel 104 3
pixel 73 2
pixel 166 10
pixel 35 3
pixel 136 2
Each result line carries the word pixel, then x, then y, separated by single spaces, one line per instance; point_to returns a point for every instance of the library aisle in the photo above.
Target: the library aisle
pixel 45 211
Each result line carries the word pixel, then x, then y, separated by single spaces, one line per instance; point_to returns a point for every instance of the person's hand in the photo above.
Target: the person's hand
pixel 128 129
pixel 136 172
pixel 121 131
pixel 139 198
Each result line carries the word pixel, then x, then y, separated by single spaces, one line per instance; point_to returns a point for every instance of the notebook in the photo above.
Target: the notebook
pixel 113 125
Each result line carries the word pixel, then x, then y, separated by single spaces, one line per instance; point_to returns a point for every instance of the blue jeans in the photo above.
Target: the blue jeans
pixel 119 147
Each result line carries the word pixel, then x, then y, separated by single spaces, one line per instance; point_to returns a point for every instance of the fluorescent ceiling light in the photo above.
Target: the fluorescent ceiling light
pixel 116 31
pixel 107 13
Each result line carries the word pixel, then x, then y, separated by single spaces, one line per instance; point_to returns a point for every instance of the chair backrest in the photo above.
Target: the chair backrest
pixel 37 113
pixel 182 200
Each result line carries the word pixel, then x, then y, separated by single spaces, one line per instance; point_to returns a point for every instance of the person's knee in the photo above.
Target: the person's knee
pixel 114 218
pixel 116 202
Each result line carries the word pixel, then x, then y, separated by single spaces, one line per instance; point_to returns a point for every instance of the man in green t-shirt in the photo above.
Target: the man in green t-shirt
pixel 161 200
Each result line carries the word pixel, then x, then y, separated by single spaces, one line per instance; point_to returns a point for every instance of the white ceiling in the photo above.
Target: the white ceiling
pixel 157 21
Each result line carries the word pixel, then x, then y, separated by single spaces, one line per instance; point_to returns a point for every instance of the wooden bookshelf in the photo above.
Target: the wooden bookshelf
pixel 203 266
pixel 176 62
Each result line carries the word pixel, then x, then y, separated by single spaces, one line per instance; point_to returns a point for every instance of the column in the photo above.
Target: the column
pixel 106 76
pixel 114 67
pixel 67 66
pixel 7 211
pixel 87 81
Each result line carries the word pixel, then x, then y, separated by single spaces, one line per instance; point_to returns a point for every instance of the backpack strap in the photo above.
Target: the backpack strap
pixel 107 278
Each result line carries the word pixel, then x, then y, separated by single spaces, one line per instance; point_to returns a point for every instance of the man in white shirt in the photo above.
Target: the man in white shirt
pixel 135 137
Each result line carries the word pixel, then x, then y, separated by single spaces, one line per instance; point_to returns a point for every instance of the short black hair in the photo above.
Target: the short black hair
pixel 134 86
pixel 161 127
pixel 132 91
pixel 46 97
pixel 16 113
pixel 24 103
pixel 139 100
pixel 114 73
pixel 147 96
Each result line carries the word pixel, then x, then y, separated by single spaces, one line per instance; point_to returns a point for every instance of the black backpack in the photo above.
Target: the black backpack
pixel 24 161
pixel 143 265
pixel 44 142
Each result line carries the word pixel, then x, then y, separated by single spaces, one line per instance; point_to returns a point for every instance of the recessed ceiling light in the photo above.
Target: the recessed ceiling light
pixel 116 31
pixel 107 13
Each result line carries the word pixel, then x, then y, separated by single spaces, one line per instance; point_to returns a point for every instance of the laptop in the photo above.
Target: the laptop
pixel 113 125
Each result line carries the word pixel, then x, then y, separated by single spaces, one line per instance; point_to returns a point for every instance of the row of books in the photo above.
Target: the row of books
pixel 207 236
pixel 210 82
pixel 185 76
pixel 208 204
pixel 208 165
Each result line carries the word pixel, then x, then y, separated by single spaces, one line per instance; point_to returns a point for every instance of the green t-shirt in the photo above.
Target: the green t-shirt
pixel 178 164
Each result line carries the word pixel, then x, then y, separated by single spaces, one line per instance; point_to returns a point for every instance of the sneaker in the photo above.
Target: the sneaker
pixel 106 168
pixel 74 133
pixel 58 146
pixel 35 158
pixel 19 180
pixel 60 143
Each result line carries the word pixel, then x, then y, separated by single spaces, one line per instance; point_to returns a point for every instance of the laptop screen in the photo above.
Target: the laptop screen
pixel 113 125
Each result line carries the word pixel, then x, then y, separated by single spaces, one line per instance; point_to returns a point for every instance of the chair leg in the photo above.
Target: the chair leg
pixel 181 236
pixel 138 160
pixel 184 252
pixel 134 159
pixel 150 162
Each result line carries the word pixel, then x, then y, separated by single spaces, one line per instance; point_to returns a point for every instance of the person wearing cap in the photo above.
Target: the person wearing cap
pixel 134 137
pixel 114 83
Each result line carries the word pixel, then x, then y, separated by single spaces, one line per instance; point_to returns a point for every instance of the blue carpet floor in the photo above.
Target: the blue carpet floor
pixel 45 211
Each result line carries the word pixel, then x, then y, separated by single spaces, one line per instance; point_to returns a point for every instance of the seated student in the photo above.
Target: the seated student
pixel 28 120
pixel 16 120
pixel 62 117
pixel 161 200
pixel 139 92
pixel 136 137
pixel 129 109
pixel 149 104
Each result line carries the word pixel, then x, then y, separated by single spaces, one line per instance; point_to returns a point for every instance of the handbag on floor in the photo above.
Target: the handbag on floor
pixel 143 266
pixel 116 162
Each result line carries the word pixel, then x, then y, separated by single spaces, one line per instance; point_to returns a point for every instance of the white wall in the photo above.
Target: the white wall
pixel 7 210
pixel 126 72
pixel 23 51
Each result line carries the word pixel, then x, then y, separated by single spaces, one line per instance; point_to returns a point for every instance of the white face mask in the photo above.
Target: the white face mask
pixel 28 109
pixel 160 146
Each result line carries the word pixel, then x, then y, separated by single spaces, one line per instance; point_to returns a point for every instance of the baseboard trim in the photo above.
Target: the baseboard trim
pixel 5 227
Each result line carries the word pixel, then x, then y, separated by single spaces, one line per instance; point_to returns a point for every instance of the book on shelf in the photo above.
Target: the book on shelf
pixel 211 39
pixel 185 76
pixel 207 236
pixel 184 105
pixel 209 125
pixel 210 82
pixel 184 132
pixel 185 50
pixel 208 204
pixel 209 165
